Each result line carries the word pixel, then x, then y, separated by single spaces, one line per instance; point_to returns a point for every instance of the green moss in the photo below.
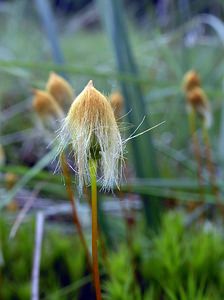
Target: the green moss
pixel 177 263
pixel 62 262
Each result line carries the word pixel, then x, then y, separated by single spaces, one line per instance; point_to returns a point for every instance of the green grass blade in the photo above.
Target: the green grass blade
pixel 46 15
pixel 43 162
pixel 49 66
pixel 142 147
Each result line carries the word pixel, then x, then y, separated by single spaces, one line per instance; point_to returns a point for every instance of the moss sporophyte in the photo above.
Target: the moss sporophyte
pixel 90 128
pixel 196 97
pixel 198 101
pixel 198 105
pixel 191 80
pixel 92 131
pixel 60 89
pixel 117 103
pixel 45 105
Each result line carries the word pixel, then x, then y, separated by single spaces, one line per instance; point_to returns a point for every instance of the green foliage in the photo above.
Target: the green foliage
pixel 62 263
pixel 178 263
pixel 121 283
pixel 185 263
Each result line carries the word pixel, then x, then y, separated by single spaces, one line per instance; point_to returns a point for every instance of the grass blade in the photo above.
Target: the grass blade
pixel 113 18
pixel 48 21
pixel 43 162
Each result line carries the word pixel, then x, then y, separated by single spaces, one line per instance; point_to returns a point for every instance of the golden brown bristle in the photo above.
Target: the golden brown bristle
pixel 10 180
pixel 191 80
pixel 60 89
pixel 92 107
pixel 45 105
pixel 91 128
pixel 90 84
pixel 117 103
pixel 197 97
pixel 198 101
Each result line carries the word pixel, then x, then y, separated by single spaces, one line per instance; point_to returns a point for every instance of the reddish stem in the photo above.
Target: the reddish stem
pixel 68 184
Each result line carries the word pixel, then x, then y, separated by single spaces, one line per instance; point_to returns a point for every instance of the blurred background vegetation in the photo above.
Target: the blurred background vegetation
pixel 161 237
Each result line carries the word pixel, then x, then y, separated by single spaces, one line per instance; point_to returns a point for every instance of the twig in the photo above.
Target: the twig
pixel 16 136
pixel 12 111
pixel 37 255
pixel 196 214
pixel 23 213
pixel 88 15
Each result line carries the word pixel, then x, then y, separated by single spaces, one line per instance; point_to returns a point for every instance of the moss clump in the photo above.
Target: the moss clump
pixel 62 262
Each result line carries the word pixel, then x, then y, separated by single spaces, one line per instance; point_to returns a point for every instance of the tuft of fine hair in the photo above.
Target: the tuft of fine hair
pixel 197 100
pixel 45 105
pixel 90 127
pixel 191 80
pixel 10 180
pixel 60 89
pixel 117 103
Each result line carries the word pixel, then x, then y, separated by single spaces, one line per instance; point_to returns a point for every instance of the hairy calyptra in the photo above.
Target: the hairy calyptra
pixel 197 100
pixel 60 89
pixel 191 80
pixel 117 103
pixel 45 105
pixel 91 129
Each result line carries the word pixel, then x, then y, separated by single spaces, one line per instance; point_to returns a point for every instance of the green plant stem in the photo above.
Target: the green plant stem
pixel 68 184
pixel 100 230
pixel 92 170
pixel 197 151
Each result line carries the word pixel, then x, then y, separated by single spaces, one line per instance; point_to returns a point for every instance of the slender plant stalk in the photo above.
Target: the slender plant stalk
pixel 68 184
pixel 209 163
pixel 100 233
pixel 197 151
pixel 92 169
